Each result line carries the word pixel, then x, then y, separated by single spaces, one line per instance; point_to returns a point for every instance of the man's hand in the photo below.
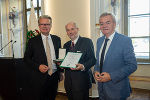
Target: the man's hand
pixel 97 76
pixel 78 67
pixel 43 68
pixel 103 77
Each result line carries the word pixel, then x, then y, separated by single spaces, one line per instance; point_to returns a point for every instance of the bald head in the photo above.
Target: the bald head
pixel 71 23
pixel 72 30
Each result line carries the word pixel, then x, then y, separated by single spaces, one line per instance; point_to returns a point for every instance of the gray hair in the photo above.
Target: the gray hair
pixel 45 17
pixel 75 25
pixel 108 14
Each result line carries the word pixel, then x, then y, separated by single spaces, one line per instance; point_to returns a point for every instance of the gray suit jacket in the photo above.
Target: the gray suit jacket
pixel 119 62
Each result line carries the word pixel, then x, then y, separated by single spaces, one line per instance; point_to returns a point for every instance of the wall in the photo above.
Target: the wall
pixel 64 11
pixel 141 77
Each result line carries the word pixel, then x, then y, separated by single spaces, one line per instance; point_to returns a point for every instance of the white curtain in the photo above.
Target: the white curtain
pixel 42 7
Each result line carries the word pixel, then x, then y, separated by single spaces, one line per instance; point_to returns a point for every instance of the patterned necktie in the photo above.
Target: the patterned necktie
pixel 102 55
pixel 48 54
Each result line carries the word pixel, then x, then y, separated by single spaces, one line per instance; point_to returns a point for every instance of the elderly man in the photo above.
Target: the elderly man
pixel 78 80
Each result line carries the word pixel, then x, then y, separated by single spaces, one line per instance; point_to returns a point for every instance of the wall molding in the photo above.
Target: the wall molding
pixel 140 78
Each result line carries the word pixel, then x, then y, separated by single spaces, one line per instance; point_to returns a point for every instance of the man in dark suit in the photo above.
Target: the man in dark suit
pixel 78 80
pixel 115 64
pixel 39 55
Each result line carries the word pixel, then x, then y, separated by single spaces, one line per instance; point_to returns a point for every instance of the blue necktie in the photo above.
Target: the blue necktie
pixel 102 55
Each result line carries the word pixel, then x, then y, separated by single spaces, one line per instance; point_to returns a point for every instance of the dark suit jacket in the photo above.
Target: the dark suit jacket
pixel 81 79
pixel 35 55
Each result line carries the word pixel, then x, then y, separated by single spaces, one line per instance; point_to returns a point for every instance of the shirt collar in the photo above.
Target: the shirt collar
pixel 43 36
pixel 111 36
pixel 75 41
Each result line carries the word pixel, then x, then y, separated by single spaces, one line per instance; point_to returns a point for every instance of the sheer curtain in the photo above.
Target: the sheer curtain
pixel 42 7
pixel 12 28
pixel 116 7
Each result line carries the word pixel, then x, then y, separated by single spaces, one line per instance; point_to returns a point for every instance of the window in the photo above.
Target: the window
pixel 37 6
pixel 139 28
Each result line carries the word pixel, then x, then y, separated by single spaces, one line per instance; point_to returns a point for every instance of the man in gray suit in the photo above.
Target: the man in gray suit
pixel 78 80
pixel 115 61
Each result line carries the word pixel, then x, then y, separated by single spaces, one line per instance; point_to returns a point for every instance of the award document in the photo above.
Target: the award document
pixel 62 53
pixel 71 60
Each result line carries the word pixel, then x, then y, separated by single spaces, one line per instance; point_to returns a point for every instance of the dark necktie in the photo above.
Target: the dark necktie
pixel 72 46
pixel 102 55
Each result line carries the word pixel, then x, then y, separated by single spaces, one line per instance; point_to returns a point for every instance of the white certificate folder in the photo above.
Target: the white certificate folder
pixel 71 60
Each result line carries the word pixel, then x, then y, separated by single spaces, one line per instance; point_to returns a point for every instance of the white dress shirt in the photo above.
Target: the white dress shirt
pixel 108 44
pixel 53 57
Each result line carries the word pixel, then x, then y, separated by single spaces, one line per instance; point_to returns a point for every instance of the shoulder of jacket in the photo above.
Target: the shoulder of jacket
pixel 54 36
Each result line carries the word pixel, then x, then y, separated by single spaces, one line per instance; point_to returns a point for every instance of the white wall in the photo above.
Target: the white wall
pixel 64 11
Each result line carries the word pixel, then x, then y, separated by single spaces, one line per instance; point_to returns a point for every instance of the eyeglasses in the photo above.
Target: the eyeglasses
pixel 44 24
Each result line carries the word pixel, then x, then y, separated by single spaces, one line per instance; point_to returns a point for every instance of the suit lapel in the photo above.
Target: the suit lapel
pixel 99 45
pixel 112 46
pixel 40 43
pixel 40 46
pixel 67 46
pixel 53 40
pixel 77 45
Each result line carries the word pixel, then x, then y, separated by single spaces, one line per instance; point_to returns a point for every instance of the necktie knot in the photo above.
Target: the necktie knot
pixel 106 40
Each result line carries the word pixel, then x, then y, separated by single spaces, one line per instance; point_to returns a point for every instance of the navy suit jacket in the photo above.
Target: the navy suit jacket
pixel 119 62
pixel 82 79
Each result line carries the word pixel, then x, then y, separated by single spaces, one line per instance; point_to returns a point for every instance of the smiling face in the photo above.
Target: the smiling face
pixel 45 26
pixel 72 31
pixel 107 25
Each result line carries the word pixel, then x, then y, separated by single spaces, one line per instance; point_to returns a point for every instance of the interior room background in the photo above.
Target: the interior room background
pixel 14 22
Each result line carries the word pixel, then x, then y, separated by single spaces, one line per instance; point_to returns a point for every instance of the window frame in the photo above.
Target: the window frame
pixel 38 9
pixel 126 25
pixel 25 16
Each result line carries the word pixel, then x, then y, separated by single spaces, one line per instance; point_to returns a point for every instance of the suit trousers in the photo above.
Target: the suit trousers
pixel 73 90
pixel 49 89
